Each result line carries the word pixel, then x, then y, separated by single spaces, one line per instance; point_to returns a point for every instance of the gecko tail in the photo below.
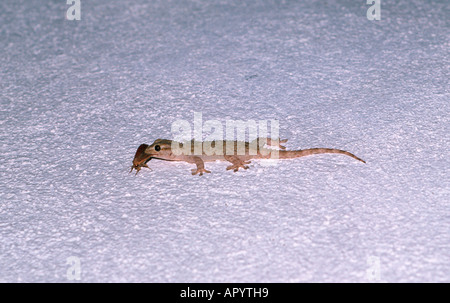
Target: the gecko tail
pixel 312 151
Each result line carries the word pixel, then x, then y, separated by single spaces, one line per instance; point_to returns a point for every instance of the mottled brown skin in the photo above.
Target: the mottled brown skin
pixel 163 149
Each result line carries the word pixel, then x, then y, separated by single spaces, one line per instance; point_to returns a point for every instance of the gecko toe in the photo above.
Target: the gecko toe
pixel 199 171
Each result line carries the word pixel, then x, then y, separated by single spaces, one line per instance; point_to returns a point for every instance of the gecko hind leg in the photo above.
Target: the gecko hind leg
pixel 200 166
pixel 237 163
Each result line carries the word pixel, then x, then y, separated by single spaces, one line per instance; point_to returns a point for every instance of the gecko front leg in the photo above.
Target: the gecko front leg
pixel 200 166
pixel 237 162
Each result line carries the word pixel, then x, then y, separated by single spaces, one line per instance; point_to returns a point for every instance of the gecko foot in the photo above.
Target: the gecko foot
pixel 199 171
pixel 237 164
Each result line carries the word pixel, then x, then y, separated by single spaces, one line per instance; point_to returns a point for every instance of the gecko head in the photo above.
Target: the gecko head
pixel 140 158
pixel 161 149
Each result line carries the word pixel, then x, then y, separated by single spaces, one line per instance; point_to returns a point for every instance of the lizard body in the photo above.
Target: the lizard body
pixel 239 153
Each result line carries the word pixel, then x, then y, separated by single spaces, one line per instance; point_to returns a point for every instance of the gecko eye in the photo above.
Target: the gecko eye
pixel 157 147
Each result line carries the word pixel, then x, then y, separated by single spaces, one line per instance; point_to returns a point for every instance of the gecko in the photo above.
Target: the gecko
pixel 239 153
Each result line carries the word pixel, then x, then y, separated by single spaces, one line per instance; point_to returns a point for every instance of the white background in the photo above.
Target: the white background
pixel 79 97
